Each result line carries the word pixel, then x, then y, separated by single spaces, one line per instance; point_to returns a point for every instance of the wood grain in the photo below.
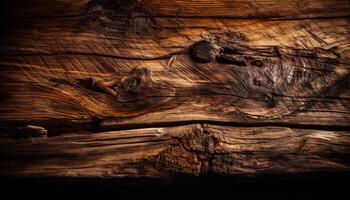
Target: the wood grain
pixel 164 152
pixel 303 80
pixel 166 88
pixel 260 9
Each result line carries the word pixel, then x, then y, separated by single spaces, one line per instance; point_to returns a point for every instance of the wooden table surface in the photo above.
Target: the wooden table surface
pixel 162 88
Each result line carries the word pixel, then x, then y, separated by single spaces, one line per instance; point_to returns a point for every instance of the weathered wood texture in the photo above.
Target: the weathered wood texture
pixel 92 66
pixel 43 76
pixel 192 150
pixel 262 9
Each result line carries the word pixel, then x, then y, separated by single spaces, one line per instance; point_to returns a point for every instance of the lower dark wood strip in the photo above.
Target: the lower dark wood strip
pixel 161 153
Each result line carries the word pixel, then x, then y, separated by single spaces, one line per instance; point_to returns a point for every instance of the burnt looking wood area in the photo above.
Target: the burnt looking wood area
pixel 162 89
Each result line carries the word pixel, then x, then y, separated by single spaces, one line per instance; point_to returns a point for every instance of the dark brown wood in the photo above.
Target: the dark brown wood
pixel 261 9
pixel 291 87
pixel 162 88
pixel 192 150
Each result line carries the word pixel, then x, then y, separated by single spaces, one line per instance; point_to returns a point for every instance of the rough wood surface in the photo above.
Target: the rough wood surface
pixel 192 150
pixel 70 70
pixel 261 9
pixel 48 78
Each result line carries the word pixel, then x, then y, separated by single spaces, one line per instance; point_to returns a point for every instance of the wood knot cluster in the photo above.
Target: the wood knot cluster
pixel 206 51
pixel 134 92
pixel 136 83
pixel 116 14
pixel 269 74
pixel 193 153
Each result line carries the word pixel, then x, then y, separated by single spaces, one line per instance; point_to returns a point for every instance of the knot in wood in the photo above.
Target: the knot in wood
pixel 191 153
pixel 138 81
pixel 98 13
pixel 200 141
pixel 102 14
pixel 140 19
pixel 203 51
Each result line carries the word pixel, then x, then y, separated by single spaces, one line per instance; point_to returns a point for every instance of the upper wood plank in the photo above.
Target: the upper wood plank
pixel 187 8
pixel 287 72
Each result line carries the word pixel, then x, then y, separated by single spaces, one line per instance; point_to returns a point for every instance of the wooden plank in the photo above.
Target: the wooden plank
pixel 249 8
pixel 188 8
pixel 166 88
pixel 164 152
pixel 302 81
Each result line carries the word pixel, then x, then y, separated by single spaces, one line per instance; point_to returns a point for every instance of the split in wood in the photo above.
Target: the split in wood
pixel 31 131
